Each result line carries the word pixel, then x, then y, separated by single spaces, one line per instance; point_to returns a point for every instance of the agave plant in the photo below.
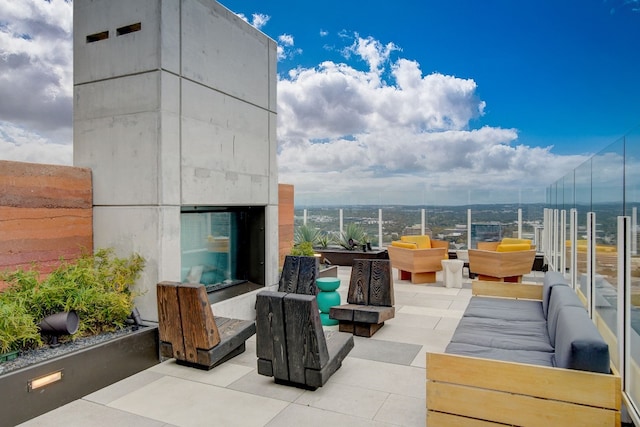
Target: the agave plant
pixel 306 233
pixel 353 236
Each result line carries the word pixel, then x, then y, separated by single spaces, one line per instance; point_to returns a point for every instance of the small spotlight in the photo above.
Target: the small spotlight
pixel 45 380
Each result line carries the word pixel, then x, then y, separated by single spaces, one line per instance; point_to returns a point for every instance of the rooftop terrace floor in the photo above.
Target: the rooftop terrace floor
pixel 381 382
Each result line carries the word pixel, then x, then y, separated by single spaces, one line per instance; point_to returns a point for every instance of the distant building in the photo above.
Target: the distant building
pixel 416 230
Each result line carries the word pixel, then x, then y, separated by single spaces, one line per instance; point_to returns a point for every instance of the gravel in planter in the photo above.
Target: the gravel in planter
pixel 46 352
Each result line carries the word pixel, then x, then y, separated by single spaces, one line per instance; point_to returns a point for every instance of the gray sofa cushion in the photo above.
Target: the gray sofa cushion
pixel 520 356
pixel 504 308
pixel 561 296
pixel 551 279
pixel 579 345
pixel 503 334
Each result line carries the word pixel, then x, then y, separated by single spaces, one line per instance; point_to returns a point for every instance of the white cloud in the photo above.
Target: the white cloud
pixel 260 20
pixel 324 33
pixel 389 130
pixel 36 81
pixel 285 48
pixel 383 130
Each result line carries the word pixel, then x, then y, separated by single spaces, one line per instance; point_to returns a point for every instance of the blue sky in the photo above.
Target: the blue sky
pixel 430 102
pixel 564 73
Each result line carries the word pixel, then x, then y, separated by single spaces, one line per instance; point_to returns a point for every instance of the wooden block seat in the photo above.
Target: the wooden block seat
pixel 189 332
pixel 299 275
pixel 369 300
pixel 418 258
pixel 525 355
pixel 290 343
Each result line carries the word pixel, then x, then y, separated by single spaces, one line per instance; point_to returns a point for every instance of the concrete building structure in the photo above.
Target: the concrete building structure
pixel 175 114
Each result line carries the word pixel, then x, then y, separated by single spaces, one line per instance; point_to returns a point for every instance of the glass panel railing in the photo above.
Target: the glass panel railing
pixel 632 205
pixel 583 206
pixel 607 204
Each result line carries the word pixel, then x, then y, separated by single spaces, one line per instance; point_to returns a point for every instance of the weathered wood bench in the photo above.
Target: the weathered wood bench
pixel 369 300
pixel 191 334
pixel 290 343
pixel 299 275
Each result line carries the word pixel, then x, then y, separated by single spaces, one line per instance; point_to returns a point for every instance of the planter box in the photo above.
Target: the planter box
pixel 345 258
pixel 83 371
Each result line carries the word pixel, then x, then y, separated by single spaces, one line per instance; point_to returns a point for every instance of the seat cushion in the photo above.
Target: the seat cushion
pixel 513 247
pixel 520 356
pixel 406 245
pixel 579 345
pixel 504 308
pixel 503 334
pixel 423 241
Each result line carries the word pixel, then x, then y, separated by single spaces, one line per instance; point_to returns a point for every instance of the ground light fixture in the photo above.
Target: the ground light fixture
pixel 44 380
pixel 62 323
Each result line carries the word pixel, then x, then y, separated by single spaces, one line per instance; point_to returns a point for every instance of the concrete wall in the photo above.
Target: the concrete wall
pixel 45 215
pixel 181 112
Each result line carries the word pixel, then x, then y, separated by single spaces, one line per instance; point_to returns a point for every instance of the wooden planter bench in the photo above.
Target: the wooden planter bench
pixel 190 333
pixel 501 369
pixel 290 343
pixel 370 298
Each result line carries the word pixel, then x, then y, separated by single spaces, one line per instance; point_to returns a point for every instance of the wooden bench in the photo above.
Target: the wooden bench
pixel 370 298
pixel 290 343
pixel 190 333
pixel 299 275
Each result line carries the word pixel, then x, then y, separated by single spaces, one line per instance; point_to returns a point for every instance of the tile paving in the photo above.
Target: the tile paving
pixel 380 383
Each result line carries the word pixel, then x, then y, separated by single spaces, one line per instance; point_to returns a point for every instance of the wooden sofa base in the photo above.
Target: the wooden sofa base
pixel 469 391
pixel 508 279
pixel 417 278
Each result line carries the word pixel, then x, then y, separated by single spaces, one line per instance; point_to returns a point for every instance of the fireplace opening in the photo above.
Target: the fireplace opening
pixel 223 248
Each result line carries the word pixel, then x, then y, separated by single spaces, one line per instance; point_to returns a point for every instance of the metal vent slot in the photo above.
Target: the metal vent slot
pixel 129 29
pixel 97 36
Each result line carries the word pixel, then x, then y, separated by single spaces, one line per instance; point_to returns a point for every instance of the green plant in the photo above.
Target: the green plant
pixel 352 236
pixel 324 240
pixel 97 287
pixel 306 233
pixel 303 249
pixel 17 328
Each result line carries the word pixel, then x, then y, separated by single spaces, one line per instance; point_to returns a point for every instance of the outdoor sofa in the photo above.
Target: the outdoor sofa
pixel 524 355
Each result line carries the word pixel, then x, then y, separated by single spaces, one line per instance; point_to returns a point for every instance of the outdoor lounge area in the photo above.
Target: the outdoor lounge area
pixel 381 381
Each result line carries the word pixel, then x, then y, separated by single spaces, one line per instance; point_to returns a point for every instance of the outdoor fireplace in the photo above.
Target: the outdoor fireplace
pixel 222 247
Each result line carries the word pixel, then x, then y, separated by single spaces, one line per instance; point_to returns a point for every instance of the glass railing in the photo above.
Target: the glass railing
pixel 458 224
pixel 604 192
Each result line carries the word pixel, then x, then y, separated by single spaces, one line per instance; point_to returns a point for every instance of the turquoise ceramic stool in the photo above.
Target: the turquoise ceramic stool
pixel 327 298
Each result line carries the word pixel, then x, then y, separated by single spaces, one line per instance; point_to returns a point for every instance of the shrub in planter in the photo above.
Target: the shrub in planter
pixel 95 286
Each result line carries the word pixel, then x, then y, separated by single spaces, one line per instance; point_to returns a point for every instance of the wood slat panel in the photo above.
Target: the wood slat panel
pixel 507 290
pixel 199 328
pixel 586 388
pixel 305 337
pixel 169 324
pixel 271 339
pixel 515 409
pixel 439 419
pixel 381 283
pixel 359 283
